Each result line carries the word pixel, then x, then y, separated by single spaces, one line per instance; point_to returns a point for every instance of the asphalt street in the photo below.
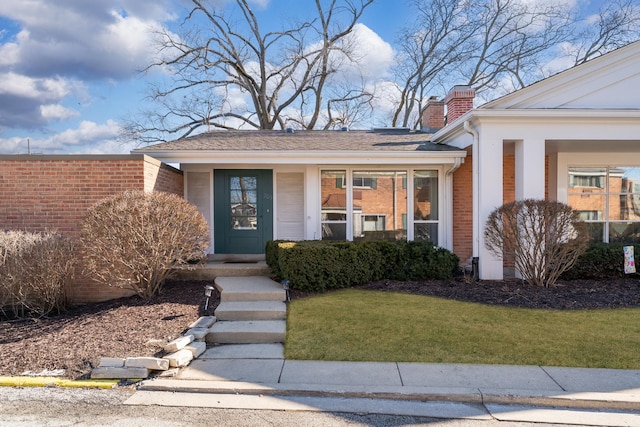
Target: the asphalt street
pixel 38 406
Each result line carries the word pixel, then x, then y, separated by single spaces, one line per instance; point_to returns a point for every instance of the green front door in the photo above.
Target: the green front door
pixel 243 210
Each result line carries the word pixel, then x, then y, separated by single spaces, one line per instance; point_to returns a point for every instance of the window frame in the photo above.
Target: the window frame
pixel 407 183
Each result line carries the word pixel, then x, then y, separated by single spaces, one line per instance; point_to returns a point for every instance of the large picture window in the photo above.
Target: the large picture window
pixel 373 205
pixel 608 199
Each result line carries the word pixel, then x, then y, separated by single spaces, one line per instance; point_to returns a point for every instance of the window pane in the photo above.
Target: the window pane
pixel 334 231
pixel 334 196
pixel 624 207
pixel 243 191
pixel 587 203
pixel 426 232
pixel 425 195
pixel 624 179
pixel 587 179
pixel 596 232
pixel 624 232
pixel 379 201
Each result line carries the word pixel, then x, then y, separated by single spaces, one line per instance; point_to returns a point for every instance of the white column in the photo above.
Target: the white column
pixel 530 168
pixel 313 229
pixel 487 168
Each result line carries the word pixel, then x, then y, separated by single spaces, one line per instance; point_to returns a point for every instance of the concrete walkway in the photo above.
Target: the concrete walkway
pixel 257 376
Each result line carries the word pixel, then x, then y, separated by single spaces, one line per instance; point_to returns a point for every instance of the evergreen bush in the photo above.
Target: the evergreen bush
pixel 316 266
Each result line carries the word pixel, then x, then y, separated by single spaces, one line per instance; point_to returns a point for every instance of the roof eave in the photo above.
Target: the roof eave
pixel 303 157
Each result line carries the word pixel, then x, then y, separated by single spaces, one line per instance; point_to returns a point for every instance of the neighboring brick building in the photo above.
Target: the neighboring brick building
pixel 40 192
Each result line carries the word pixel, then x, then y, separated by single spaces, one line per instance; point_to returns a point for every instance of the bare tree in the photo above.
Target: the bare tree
pixel 437 40
pixel 233 57
pixel 616 24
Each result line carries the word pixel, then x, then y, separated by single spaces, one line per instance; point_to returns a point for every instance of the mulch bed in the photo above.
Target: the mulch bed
pixel 574 294
pixel 75 341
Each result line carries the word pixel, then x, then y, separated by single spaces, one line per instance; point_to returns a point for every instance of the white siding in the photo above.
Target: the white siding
pixel 199 193
pixel 290 206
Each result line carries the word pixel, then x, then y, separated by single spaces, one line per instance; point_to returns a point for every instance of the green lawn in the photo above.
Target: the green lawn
pixel 359 325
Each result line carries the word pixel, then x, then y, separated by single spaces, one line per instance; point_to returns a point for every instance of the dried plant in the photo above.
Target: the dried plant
pixel 135 239
pixel 545 238
pixel 36 271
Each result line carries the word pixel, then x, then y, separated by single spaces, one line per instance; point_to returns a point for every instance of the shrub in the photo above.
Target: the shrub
pixel 544 237
pixel 601 261
pixel 36 270
pixel 134 240
pixel 320 265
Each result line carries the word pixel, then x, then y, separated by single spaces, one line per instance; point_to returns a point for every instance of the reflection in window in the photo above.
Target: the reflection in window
pixel 379 201
pixel 608 199
pixel 334 205
pixel 378 204
pixel 243 191
pixel 425 205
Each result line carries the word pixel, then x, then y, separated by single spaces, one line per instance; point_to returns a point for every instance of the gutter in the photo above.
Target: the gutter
pixel 448 198
pixel 475 185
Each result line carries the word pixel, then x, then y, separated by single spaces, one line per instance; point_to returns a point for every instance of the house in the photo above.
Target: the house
pixel 254 186
pixel 573 137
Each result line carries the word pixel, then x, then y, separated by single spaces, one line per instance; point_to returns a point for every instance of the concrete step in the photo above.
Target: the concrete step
pixel 214 269
pixel 251 288
pixel 251 310
pixel 247 332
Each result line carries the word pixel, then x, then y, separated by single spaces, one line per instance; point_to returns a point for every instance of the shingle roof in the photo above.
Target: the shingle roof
pixel 272 140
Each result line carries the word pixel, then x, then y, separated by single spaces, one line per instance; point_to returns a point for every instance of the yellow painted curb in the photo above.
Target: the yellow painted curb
pixel 54 381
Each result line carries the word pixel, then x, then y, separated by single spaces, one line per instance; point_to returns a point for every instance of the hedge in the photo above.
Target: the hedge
pixel 316 265
pixel 601 261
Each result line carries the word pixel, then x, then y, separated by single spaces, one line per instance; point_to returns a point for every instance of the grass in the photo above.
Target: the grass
pixel 359 325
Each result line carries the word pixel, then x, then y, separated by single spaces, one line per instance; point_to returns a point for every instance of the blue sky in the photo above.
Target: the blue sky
pixel 69 68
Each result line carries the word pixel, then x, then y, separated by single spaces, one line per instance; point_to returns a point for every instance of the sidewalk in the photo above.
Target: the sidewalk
pixel 258 376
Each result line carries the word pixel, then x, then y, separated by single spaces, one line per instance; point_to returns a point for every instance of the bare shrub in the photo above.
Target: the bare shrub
pixel 544 237
pixel 36 271
pixel 133 240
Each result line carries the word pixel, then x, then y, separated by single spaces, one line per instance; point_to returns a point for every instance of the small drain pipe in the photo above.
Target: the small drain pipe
pixel 476 196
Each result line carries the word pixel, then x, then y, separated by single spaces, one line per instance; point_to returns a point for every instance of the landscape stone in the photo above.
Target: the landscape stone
pixel 180 358
pixel 197 348
pixel 116 373
pixel 153 363
pixel 178 344
pixel 198 333
pixel 203 322
pixel 111 362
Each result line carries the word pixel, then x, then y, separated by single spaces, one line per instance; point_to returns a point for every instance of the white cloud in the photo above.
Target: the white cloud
pixel 88 138
pixel 25 102
pixel 57 111
pixel 56 49
pixel 373 55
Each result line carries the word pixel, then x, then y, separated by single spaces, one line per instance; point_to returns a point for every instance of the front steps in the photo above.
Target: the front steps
pixel 214 269
pixel 251 311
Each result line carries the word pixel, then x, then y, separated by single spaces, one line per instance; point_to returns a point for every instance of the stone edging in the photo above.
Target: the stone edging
pixel 181 352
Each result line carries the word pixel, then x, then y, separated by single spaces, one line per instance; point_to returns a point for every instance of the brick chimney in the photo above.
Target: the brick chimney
pixel 433 115
pixel 459 101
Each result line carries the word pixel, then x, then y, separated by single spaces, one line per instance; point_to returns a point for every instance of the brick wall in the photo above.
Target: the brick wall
pixel 39 193
pixel 463 201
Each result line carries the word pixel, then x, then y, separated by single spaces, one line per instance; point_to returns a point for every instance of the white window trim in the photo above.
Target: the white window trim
pixel 443 218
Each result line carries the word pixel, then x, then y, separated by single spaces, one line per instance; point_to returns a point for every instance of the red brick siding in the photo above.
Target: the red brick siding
pixel 463 202
pixel 39 193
